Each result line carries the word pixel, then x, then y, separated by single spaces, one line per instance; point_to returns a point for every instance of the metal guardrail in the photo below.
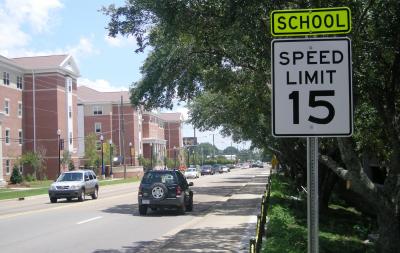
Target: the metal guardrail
pixel 256 243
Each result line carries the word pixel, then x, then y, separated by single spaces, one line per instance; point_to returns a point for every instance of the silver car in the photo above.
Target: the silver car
pixel 74 184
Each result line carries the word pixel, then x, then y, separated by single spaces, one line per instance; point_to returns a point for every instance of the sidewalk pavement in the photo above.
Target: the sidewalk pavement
pixel 227 227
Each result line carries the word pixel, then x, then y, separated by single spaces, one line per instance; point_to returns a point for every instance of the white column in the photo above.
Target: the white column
pixel 2 182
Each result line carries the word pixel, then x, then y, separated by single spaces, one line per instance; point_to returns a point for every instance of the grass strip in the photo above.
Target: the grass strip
pixel 342 229
pixel 41 187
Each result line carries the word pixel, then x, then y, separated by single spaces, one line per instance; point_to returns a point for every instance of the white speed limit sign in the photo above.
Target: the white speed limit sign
pixel 311 87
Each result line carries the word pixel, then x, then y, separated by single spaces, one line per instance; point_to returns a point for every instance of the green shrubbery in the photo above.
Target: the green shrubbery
pixel 16 177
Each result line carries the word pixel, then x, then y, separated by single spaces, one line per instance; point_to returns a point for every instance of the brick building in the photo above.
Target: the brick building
pixel 101 113
pixel 10 116
pixel 39 97
pixel 172 132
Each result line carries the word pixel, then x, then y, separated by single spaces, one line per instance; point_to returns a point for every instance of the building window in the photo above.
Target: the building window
pixel 69 84
pixel 19 109
pixel 20 137
pixel 6 78
pixel 70 111
pixel 19 82
pixel 7 136
pixel 8 166
pixel 97 110
pixel 70 138
pixel 7 107
pixel 21 168
pixel 97 127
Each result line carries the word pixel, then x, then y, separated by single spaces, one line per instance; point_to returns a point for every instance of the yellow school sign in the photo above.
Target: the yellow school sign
pixel 311 21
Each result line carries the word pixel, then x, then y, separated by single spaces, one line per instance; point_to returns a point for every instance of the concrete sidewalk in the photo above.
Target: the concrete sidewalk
pixel 227 226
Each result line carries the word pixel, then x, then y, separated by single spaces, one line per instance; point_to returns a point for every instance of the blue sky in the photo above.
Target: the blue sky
pixel 77 27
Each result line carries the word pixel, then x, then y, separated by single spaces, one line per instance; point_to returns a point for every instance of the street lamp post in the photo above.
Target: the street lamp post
pixel 59 150
pixel 130 152
pixel 111 173
pixel 151 156
pixel 175 156
pixel 102 158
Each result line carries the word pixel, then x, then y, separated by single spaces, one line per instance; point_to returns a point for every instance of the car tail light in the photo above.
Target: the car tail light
pixel 178 191
pixel 140 191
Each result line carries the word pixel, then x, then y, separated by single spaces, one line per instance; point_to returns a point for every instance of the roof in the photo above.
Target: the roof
pixel 89 95
pixel 171 116
pixel 40 62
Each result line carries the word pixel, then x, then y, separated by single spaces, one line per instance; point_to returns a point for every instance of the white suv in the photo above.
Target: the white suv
pixel 74 184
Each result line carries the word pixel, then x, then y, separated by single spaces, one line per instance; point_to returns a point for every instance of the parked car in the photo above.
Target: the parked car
pixel 207 170
pixel 225 169
pixel 217 168
pixel 257 165
pixel 192 173
pixel 164 189
pixel 74 184
pixel 245 166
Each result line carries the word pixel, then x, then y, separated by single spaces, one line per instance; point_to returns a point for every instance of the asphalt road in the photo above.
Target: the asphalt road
pixel 111 223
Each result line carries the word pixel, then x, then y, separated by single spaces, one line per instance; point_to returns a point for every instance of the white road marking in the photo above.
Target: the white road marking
pixel 89 220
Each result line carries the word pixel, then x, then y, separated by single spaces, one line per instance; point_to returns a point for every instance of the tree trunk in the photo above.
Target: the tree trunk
pixel 389 231
pixel 327 183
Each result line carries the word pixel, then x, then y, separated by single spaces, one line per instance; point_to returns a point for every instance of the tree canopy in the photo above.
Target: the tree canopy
pixel 217 54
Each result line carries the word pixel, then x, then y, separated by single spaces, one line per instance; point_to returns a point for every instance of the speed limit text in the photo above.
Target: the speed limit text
pixel 311 57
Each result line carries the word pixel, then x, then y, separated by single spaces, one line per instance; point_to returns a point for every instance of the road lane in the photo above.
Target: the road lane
pixel 37 224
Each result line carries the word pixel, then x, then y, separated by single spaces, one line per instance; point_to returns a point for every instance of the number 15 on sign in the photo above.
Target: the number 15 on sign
pixel 311 87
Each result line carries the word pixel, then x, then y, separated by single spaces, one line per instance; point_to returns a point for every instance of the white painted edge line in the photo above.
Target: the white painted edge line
pixel 89 220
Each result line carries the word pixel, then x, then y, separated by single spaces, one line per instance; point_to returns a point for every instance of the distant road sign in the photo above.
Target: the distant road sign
pixel 311 87
pixel 189 141
pixel 311 21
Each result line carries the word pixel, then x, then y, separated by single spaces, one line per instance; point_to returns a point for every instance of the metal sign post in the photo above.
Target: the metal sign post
pixel 312 194
pixel 311 87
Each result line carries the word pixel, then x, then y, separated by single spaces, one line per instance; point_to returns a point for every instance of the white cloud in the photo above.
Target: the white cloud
pixel 120 41
pixel 84 47
pixel 36 13
pixel 16 14
pixel 100 85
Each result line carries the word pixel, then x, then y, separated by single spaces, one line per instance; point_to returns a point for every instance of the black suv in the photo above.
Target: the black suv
pixel 164 189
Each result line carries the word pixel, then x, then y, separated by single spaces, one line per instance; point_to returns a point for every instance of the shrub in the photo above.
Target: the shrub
pixel 16 177
pixel 30 177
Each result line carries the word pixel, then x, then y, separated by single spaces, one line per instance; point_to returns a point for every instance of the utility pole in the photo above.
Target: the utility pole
pixel 231 150
pixel 122 136
pixel 213 147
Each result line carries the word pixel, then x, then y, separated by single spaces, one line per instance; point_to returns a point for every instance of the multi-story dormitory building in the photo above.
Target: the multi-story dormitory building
pixel 39 98
pixel 134 131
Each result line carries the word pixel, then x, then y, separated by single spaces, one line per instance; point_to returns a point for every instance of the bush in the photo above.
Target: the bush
pixel 30 177
pixel 16 177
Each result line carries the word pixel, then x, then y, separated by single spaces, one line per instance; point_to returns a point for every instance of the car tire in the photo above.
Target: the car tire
pixel 95 194
pixel 182 209
pixel 82 195
pixel 158 191
pixel 142 209
pixel 53 200
pixel 189 206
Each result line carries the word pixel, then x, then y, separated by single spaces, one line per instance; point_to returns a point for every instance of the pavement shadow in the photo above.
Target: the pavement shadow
pixel 209 239
pixel 234 206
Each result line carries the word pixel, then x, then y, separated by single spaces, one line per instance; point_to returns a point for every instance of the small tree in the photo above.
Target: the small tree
pixel 35 161
pixel 66 159
pixel 16 177
pixel 146 163
pixel 91 155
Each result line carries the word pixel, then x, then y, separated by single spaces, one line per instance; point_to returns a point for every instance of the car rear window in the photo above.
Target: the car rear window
pixel 165 178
